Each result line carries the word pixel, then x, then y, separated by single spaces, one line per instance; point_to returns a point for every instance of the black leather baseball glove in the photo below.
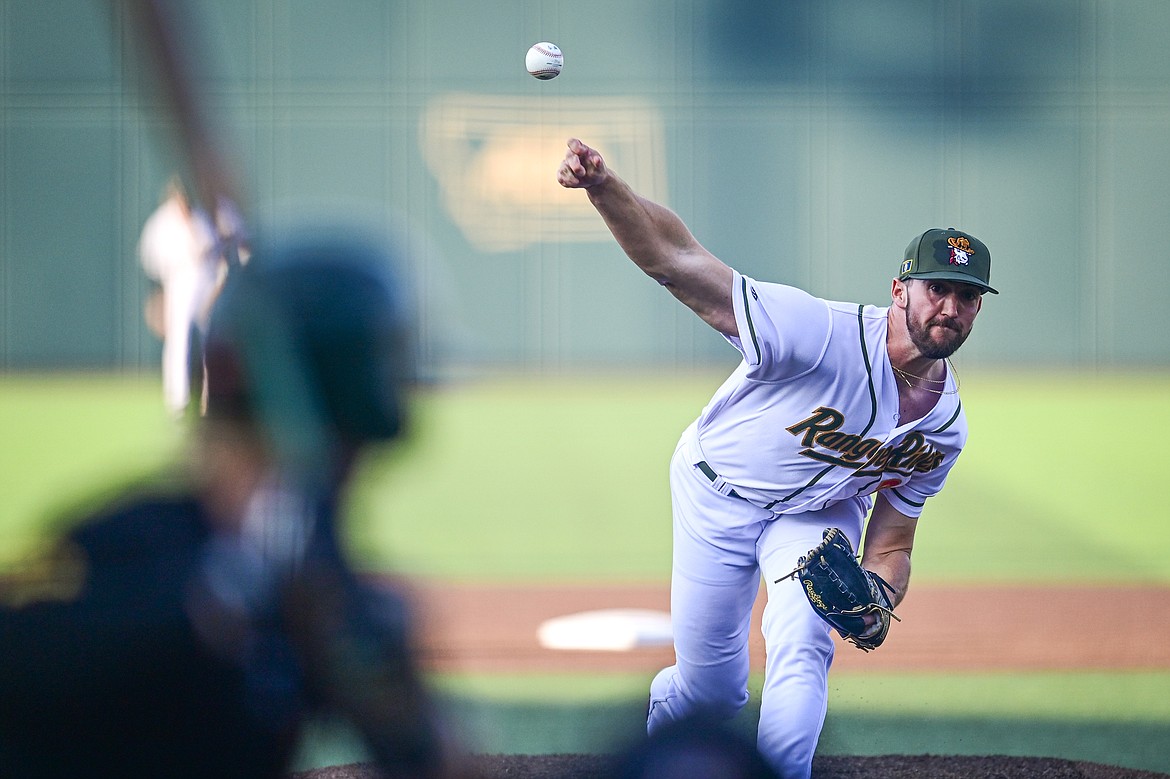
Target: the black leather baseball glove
pixel 843 593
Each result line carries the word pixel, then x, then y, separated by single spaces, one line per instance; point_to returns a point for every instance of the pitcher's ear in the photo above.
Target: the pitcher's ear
pixel 898 292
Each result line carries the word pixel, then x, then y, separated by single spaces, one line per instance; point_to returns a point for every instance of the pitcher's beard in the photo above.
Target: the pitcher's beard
pixel 928 343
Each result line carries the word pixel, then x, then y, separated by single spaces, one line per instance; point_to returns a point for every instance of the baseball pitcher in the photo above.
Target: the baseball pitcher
pixel 837 412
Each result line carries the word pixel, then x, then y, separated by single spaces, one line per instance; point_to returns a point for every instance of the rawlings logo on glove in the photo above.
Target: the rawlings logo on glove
pixel 843 593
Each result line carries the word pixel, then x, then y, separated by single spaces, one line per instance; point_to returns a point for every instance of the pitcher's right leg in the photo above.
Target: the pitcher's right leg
pixel 714 584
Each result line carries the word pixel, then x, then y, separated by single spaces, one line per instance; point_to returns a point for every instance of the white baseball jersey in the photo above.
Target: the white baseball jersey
pixel 174 250
pixel 810 416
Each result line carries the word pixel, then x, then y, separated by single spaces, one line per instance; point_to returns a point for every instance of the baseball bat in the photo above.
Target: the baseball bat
pixel 168 33
pixel 165 28
pixel 160 32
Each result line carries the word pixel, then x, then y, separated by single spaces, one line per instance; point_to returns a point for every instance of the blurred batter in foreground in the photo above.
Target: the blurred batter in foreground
pixel 190 632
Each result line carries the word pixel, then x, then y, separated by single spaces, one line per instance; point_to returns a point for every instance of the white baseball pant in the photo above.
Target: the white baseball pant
pixel 722 545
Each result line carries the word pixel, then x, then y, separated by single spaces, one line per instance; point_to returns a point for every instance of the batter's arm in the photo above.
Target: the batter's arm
pixel 654 237
pixel 889 540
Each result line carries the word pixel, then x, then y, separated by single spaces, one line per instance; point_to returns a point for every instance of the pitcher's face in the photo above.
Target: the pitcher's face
pixel 940 315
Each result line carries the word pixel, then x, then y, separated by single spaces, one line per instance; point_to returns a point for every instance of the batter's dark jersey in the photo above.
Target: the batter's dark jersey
pixel 101 672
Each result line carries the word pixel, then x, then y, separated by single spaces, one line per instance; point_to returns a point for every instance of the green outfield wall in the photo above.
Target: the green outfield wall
pixel 804 142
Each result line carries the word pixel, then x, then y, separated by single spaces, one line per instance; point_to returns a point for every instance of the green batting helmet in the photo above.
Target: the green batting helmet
pixel 311 340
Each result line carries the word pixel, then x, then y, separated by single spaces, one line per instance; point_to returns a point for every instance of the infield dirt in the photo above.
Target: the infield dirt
pixel 484 628
pixel 493 628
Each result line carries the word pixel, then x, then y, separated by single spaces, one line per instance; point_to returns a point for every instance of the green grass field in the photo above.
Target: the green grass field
pixel 526 479
pixel 531 478
pixel 567 478
pixel 1115 719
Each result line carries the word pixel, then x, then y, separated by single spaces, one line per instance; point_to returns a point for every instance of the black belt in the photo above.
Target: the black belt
pixel 710 474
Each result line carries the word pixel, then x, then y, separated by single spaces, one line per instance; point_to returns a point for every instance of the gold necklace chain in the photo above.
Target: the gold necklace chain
pixel 906 376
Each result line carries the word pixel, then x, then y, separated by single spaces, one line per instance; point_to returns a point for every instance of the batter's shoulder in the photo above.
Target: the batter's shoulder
pixel 143 522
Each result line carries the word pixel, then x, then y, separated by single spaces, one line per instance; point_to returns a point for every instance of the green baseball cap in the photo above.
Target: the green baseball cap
pixel 950 255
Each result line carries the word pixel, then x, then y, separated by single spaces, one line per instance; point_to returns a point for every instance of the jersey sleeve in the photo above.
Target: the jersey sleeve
pixel 910 497
pixel 783 330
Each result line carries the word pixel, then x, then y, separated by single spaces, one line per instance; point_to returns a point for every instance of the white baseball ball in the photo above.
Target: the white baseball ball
pixel 544 61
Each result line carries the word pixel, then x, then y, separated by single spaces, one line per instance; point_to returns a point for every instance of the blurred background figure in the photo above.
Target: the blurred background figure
pixel 193 629
pixel 175 252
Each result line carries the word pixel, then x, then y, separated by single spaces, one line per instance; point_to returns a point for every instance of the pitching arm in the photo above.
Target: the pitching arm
pixel 654 237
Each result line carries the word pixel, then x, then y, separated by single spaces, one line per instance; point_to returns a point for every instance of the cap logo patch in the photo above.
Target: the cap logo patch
pixel 961 250
pixel 907 265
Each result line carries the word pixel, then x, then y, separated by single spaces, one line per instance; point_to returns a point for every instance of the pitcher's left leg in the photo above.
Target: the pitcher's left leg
pixel 799 645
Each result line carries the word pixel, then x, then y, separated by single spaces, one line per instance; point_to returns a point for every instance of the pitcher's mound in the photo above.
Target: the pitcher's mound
pixel 830 767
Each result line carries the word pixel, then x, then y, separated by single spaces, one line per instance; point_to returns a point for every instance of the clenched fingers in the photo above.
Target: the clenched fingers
pixel 581 167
